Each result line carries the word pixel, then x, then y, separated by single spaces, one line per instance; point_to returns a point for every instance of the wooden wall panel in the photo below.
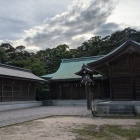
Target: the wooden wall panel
pixel 16 93
pixel 32 91
pixel 16 90
pixel 67 90
pixel 0 93
pixel 122 67
pixel 7 93
pixel 137 88
pixel 121 70
pixel 136 65
pixel 122 89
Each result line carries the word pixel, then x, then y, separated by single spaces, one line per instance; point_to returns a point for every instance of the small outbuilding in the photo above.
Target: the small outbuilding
pixel 17 84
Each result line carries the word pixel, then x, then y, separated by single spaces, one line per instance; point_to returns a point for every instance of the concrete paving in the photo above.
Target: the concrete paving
pixel 28 114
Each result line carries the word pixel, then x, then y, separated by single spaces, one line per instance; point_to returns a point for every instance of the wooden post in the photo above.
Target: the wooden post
pixel 21 86
pixel 70 90
pixel 60 95
pixel 88 96
pixel 28 91
pixel 110 78
pixel 12 94
pixel 2 90
pixel 132 66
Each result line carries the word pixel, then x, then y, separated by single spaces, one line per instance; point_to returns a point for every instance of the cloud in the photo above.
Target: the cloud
pixel 19 15
pixel 82 20
pixel 9 25
pixel 106 28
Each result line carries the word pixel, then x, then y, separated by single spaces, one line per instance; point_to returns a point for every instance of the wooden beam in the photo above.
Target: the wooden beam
pixel 132 66
pixel 110 78
pixel 12 93
pixel 2 90
pixel 60 92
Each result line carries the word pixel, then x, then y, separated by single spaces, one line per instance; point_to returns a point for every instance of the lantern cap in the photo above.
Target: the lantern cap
pixel 87 69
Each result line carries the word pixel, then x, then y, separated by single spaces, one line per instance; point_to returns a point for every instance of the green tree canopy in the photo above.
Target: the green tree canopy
pixel 48 60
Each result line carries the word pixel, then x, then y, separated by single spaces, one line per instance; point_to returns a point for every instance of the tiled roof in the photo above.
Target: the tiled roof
pixel 118 50
pixel 6 70
pixel 69 67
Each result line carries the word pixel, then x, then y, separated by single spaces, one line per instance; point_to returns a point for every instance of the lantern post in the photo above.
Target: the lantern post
pixel 87 79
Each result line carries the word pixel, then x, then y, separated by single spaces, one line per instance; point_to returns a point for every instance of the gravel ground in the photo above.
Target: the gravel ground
pixel 22 115
pixel 57 128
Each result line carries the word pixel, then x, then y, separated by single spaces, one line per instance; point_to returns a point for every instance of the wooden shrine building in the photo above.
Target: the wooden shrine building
pixel 122 68
pixel 66 85
pixel 17 84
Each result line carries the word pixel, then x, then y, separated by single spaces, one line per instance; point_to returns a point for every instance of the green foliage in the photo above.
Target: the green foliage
pixel 20 48
pixel 34 64
pixel 42 92
pixel 3 56
pixel 108 132
pixel 48 61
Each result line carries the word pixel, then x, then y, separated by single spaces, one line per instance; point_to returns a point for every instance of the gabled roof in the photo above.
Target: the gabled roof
pixel 11 71
pixel 128 47
pixel 69 67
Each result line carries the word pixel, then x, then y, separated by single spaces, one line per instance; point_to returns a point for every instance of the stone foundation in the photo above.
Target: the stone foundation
pixel 19 104
pixel 105 108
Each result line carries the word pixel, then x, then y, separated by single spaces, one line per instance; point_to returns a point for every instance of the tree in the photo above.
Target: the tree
pixel 48 61
pixel 20 48
pixel 3 56
pixel 33 64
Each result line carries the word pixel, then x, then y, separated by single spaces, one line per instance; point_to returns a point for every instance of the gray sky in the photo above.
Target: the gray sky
pixel 41 24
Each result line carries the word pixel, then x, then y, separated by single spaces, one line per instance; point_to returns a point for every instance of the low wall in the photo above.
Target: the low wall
pixel 103 108
pixel 69 102
pixel 19 104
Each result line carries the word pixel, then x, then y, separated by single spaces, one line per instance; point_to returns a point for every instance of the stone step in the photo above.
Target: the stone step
pixel 118 109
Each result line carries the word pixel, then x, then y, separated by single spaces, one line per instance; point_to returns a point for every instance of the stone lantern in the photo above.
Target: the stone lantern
pixel 87 79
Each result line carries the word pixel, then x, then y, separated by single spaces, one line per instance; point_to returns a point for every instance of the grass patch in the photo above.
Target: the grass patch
pixel 107 132
pixel 129 133
pixel 90 131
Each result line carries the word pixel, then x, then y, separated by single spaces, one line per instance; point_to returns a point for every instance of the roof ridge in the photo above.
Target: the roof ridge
pixel 116 50
pixel 16 68
pixel 81 58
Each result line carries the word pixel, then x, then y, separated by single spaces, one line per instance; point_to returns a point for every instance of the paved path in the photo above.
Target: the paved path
pixel 22 115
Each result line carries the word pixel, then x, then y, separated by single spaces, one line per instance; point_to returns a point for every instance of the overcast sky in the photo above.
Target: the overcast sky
pixel 41 24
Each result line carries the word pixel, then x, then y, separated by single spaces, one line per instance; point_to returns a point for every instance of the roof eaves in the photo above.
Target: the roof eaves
pixel 15 68
pixel 73 62
pixel 115 51
pixel 81 59
pixel 31 79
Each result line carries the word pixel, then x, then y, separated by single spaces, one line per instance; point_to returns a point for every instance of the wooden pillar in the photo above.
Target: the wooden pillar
pixel 21 91
pixel 2 90
pixel 110 78
pixel 71 90
pixel 60 92
pixel 88 95
pixel 102 95
pixel 98 91
pixel 28 91
pixel 132 65
pixel 35 91
pixel 12 93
